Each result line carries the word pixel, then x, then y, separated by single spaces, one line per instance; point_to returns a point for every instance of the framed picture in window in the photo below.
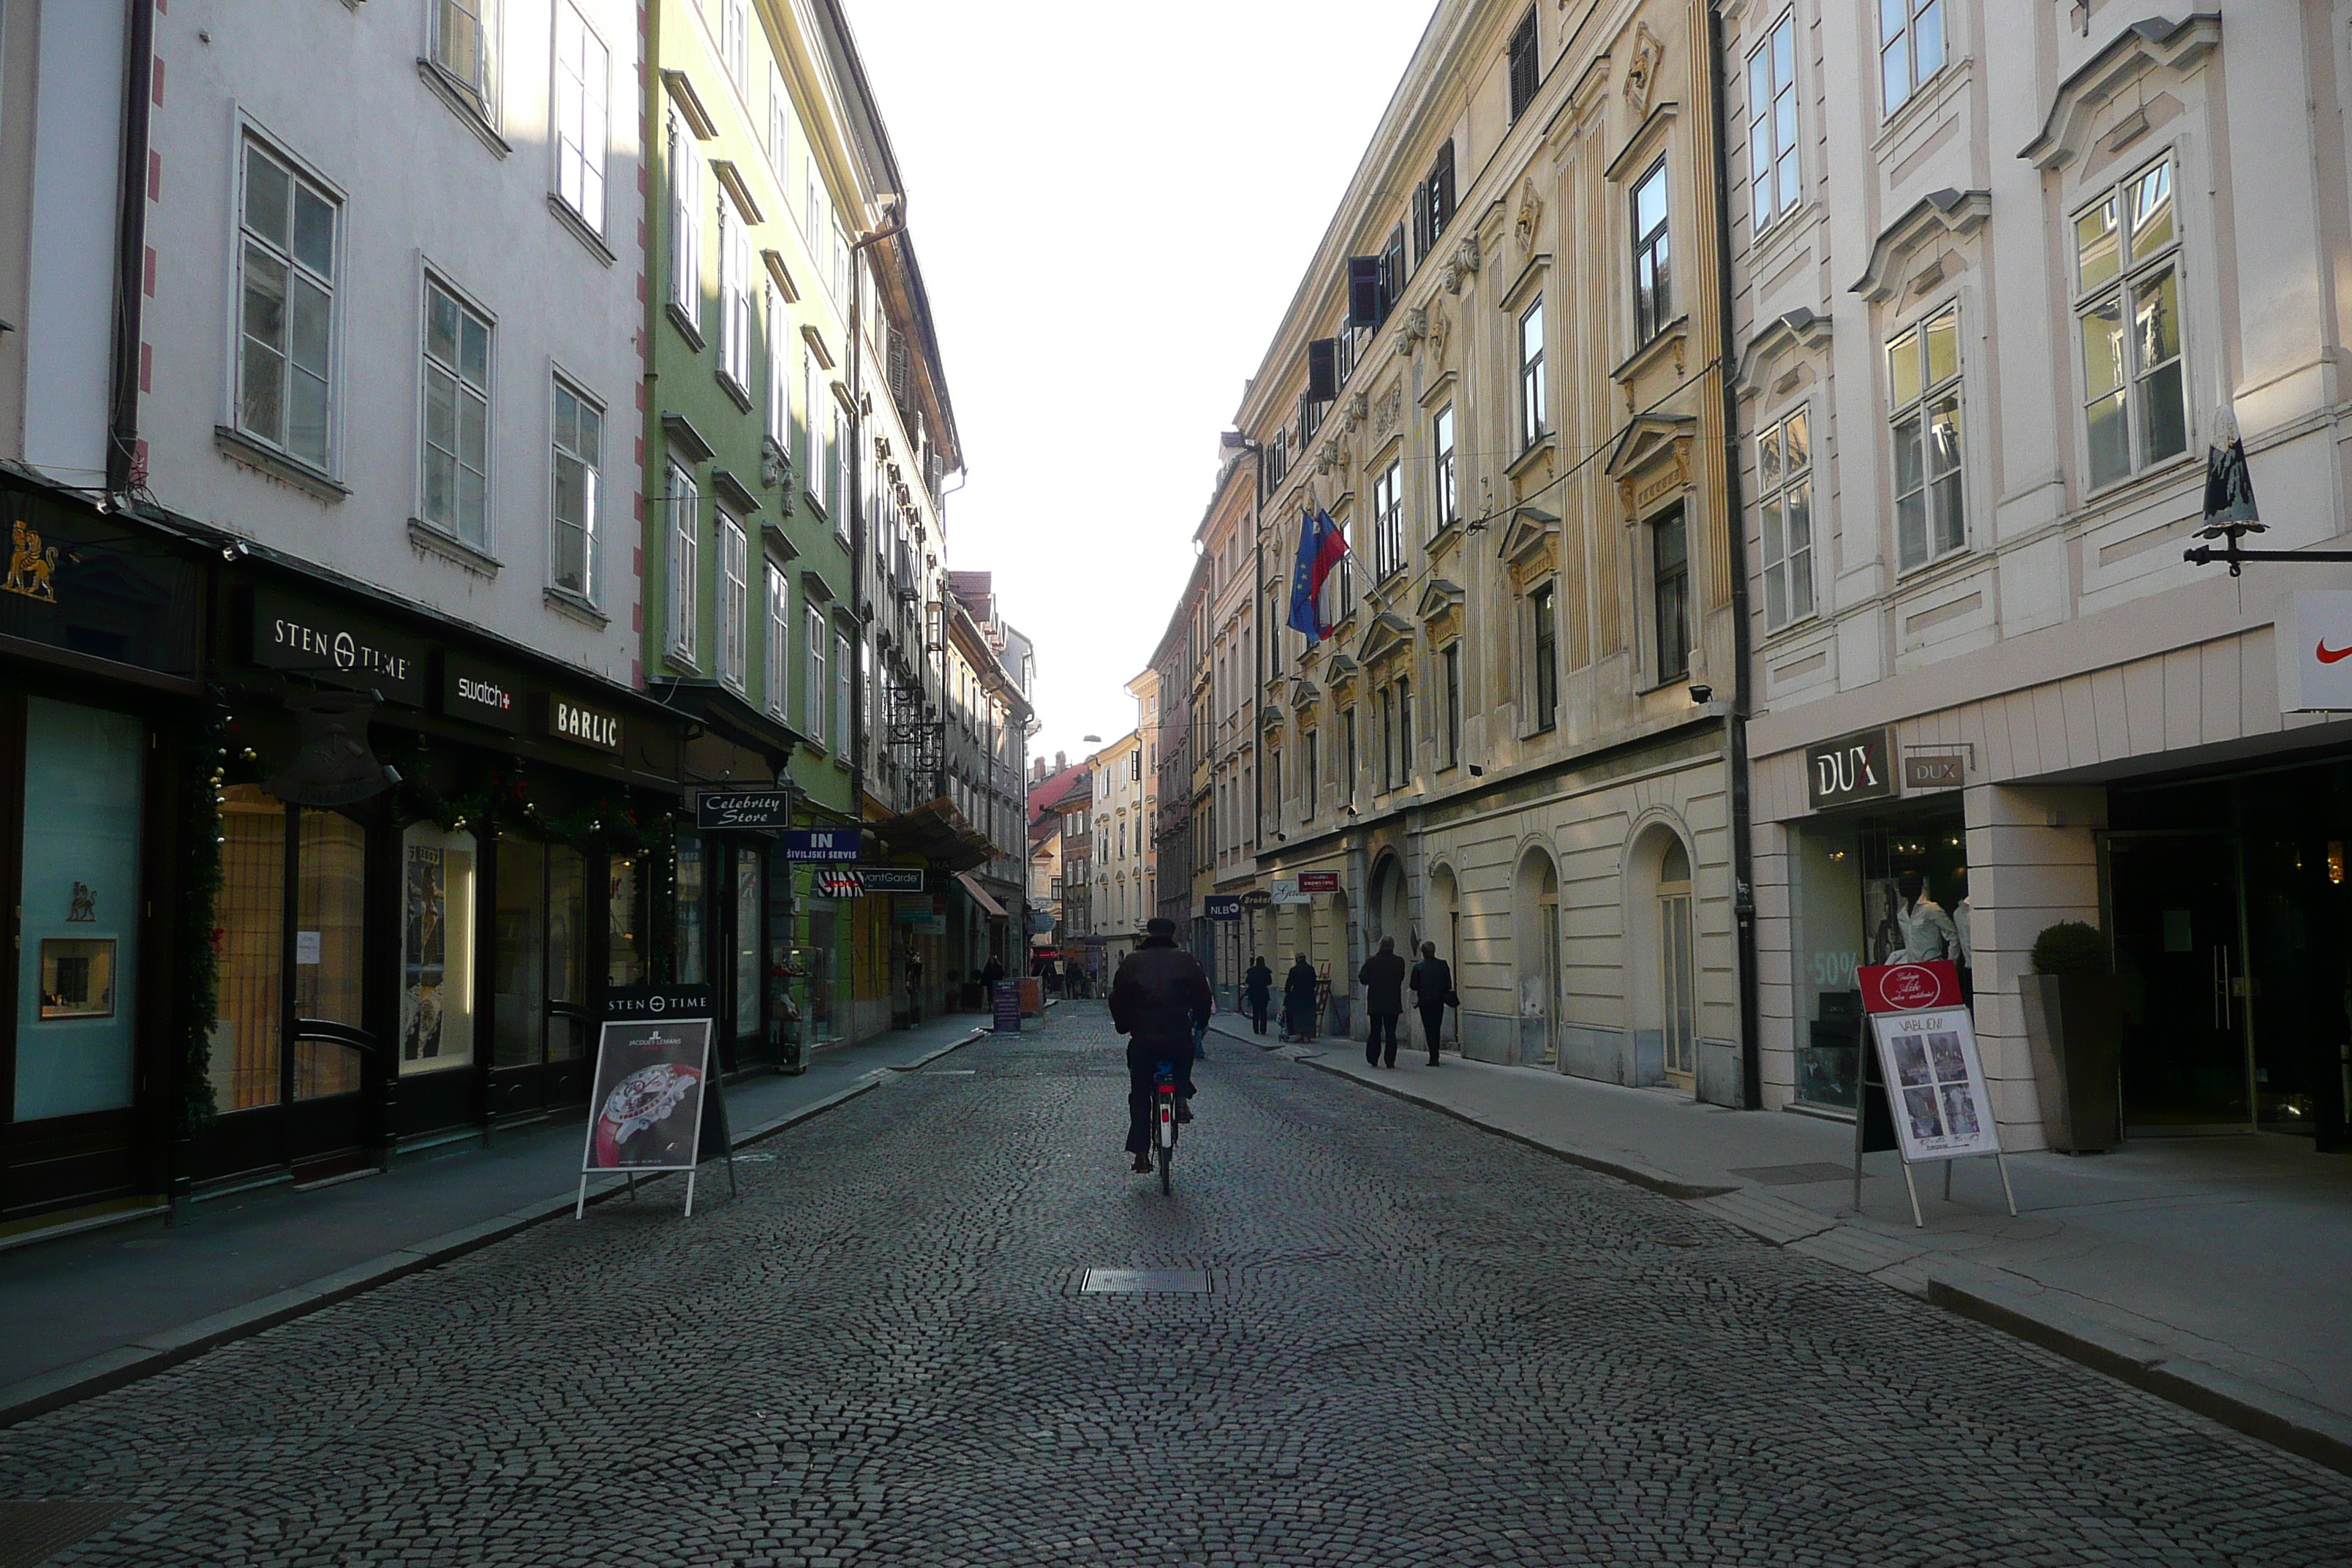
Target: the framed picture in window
pixel 76 978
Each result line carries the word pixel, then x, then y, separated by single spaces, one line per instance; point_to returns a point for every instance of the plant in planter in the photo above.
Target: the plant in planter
pixel 2074 1025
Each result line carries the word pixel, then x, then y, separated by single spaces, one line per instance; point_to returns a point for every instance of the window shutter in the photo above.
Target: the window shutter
pixel 1523 64
pixel 1423 238
pixel 902 371
pixel 1392 271
pixel 1323 370
pixel 1363 291
pixel 1441 192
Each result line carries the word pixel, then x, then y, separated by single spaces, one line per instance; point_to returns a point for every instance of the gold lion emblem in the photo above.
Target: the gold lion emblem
pixel 30 565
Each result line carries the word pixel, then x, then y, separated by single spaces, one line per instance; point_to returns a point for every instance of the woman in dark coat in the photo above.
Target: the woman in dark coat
pixel 1257 989
pixel 1299 1001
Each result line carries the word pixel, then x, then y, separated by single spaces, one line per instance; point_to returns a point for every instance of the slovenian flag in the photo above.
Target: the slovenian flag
pixel 1321 548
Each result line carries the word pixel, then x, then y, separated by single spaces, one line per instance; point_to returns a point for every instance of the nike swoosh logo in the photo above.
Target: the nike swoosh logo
pixel 2330 655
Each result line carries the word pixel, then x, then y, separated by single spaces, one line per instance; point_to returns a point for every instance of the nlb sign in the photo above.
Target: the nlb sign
pixel 1853 768
pixel 2315 652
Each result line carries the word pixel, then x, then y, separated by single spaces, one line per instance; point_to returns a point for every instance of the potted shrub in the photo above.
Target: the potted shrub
pixel 2074 1027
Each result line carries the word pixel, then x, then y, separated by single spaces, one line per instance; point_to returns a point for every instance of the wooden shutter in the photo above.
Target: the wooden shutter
pixel 1363 291
pixel 1322 370
pixel 1441 191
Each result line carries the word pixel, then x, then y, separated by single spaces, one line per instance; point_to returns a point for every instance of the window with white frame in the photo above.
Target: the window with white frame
pixel 456 454
pixel 812 203
pixel 735 42
pixel 836 480
pixel 1388 521
pixel 1654 303
pixel 464 43
pixel 684 564
pixel 734 600
pixel 1441 469
pixel 1784 481
pixel 779 381
pixel 843 679
pixel 2127 283
pixel 685 223
pixel 577 487
pixel 1772 123
pixel 286 307
pixel 841 254
pixel 1910 47
pixel 815 427
pixel 1534 415
pixel 780 131
pixel 582 68
pixel 776 677
pixel 734 296
pixel 1923 376
pixel 814 690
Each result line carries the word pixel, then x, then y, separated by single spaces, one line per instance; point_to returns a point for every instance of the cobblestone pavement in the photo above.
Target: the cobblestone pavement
pixel 1426 1345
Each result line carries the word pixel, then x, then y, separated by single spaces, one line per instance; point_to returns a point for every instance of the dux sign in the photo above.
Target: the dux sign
pixel 2315 652
pixel 1856 767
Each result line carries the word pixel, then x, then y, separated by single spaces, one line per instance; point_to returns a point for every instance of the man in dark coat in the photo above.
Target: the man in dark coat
pixel 1383 981
pixel 1257 988
pixel 1433 993
pixel 1299 1001
pixel 1158 999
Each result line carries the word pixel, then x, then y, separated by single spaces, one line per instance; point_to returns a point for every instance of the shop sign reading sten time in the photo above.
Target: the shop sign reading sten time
pixel 1851 768
pixel 328 644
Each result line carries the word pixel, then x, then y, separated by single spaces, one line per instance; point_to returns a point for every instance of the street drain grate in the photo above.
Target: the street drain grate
pixel 1145 1283
pixel 33 1532
pixel 1794 1175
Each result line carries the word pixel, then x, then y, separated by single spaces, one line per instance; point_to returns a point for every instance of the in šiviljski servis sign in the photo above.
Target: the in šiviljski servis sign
pixel 1854 768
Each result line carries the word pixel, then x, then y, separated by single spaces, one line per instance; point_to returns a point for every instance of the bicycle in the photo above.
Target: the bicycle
pixel 1164 1117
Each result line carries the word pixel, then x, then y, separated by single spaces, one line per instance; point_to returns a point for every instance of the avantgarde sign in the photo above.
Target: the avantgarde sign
pixel 341 649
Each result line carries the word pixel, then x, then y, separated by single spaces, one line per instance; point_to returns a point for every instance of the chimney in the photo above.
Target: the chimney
pixel 1060 761
pixel 1038 770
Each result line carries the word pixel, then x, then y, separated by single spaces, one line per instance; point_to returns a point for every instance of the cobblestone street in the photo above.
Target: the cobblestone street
pixel 1423 1345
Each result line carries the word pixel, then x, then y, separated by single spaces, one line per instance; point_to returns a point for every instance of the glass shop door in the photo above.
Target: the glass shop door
pixel 2175 906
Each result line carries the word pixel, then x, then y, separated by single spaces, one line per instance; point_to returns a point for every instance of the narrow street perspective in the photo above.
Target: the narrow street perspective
pixel 1392 1340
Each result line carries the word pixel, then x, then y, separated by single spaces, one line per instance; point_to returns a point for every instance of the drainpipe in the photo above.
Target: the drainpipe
pixel 1735 721
pixel 130 248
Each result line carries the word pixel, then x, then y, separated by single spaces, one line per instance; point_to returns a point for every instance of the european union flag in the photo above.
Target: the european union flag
pixel 1321 548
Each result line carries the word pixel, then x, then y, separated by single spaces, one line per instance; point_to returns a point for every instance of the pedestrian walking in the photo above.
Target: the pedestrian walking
pixel 1383 978
pixel 1298 1001
pixel 1257 989
pixel 1432 993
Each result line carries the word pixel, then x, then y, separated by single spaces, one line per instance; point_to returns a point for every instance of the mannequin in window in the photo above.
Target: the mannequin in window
pixel 1965 949
pixel 1929 933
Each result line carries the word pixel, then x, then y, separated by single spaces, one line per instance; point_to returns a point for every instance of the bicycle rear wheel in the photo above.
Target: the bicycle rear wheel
pixel 1167 1157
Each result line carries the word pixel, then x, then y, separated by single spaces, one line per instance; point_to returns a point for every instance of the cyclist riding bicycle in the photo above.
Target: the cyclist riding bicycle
pixel 1158 997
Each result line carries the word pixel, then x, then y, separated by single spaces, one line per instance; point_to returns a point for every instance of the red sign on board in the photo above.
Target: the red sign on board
pixel 1909 987
pixel 1318 881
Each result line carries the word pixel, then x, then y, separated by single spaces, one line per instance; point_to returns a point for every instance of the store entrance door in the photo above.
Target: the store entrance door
pixel 2174 908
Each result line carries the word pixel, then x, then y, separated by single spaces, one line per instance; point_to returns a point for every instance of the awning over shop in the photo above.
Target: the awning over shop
pixel 939 833
pixel 979 896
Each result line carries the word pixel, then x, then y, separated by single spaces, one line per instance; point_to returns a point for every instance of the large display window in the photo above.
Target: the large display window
pixel 436 974
pixel 76 1013
pixel 542 1008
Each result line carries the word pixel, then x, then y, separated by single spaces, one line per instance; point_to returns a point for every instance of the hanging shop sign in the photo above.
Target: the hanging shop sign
pixel 598 728
pixel 835 844
pixel 1257 899
pixel 2315 652
pixel 1851 768
pixel 912 909
pixel 622 1001
pixel 1936 770
pixel 327 644
pixel 1286 890
pixel 1318 881
pixel 864 880
pixel 472 692
pixel 1222 906
pixel 744 808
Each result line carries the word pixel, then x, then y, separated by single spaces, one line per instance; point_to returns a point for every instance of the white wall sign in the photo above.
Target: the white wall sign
pixel 2314 651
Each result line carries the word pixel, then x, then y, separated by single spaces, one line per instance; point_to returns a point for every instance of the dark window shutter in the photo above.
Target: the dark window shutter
pixel 1322 370
pixel 1363 291
pixel 1422 236
pixel 902 371
pixel 1392 271
pixel 1523 64
pixel 1441 192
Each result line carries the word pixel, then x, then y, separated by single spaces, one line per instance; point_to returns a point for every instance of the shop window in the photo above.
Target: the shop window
pixel 542 956
pixel 750 973
pixel 690 968
pixel 329 929
pixel 77 1016
pixel 436 977
pixel 625 952
pixel 249 921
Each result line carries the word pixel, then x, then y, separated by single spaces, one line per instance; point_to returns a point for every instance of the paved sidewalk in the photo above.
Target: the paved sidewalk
pixel 2217 1271
pixel 92 1311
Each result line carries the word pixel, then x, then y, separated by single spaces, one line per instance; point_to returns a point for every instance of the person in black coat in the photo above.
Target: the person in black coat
pixel 1160 1000
pixel 1257 989
pixel 1299 1001
pixel 1383 981
pixel 1433 993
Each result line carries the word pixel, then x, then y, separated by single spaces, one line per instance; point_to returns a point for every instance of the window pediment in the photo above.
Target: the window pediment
pixel 1529 530
pixel 1801 330
pixel 2153 44
pixel 1649 439
pixel 1931 217
pixel 1388 634
pixel 1439 599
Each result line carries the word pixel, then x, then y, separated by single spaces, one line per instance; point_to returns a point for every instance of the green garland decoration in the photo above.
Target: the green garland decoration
pixel 204 756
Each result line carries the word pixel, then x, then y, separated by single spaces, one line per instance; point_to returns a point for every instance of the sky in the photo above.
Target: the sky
pixel 1113 204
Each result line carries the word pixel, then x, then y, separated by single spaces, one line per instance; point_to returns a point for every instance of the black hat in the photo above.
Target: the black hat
pixel 1159 925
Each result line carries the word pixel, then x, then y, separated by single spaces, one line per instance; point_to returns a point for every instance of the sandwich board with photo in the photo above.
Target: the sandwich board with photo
pixel 656 1105
pixel 1929 1084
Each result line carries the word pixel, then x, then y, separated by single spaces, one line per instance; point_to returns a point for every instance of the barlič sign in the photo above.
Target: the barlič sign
pixel 1850 768
pixel 587 726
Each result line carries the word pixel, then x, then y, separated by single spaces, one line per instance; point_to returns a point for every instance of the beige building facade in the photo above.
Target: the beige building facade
pixel 1501 378
pixel 1999 267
